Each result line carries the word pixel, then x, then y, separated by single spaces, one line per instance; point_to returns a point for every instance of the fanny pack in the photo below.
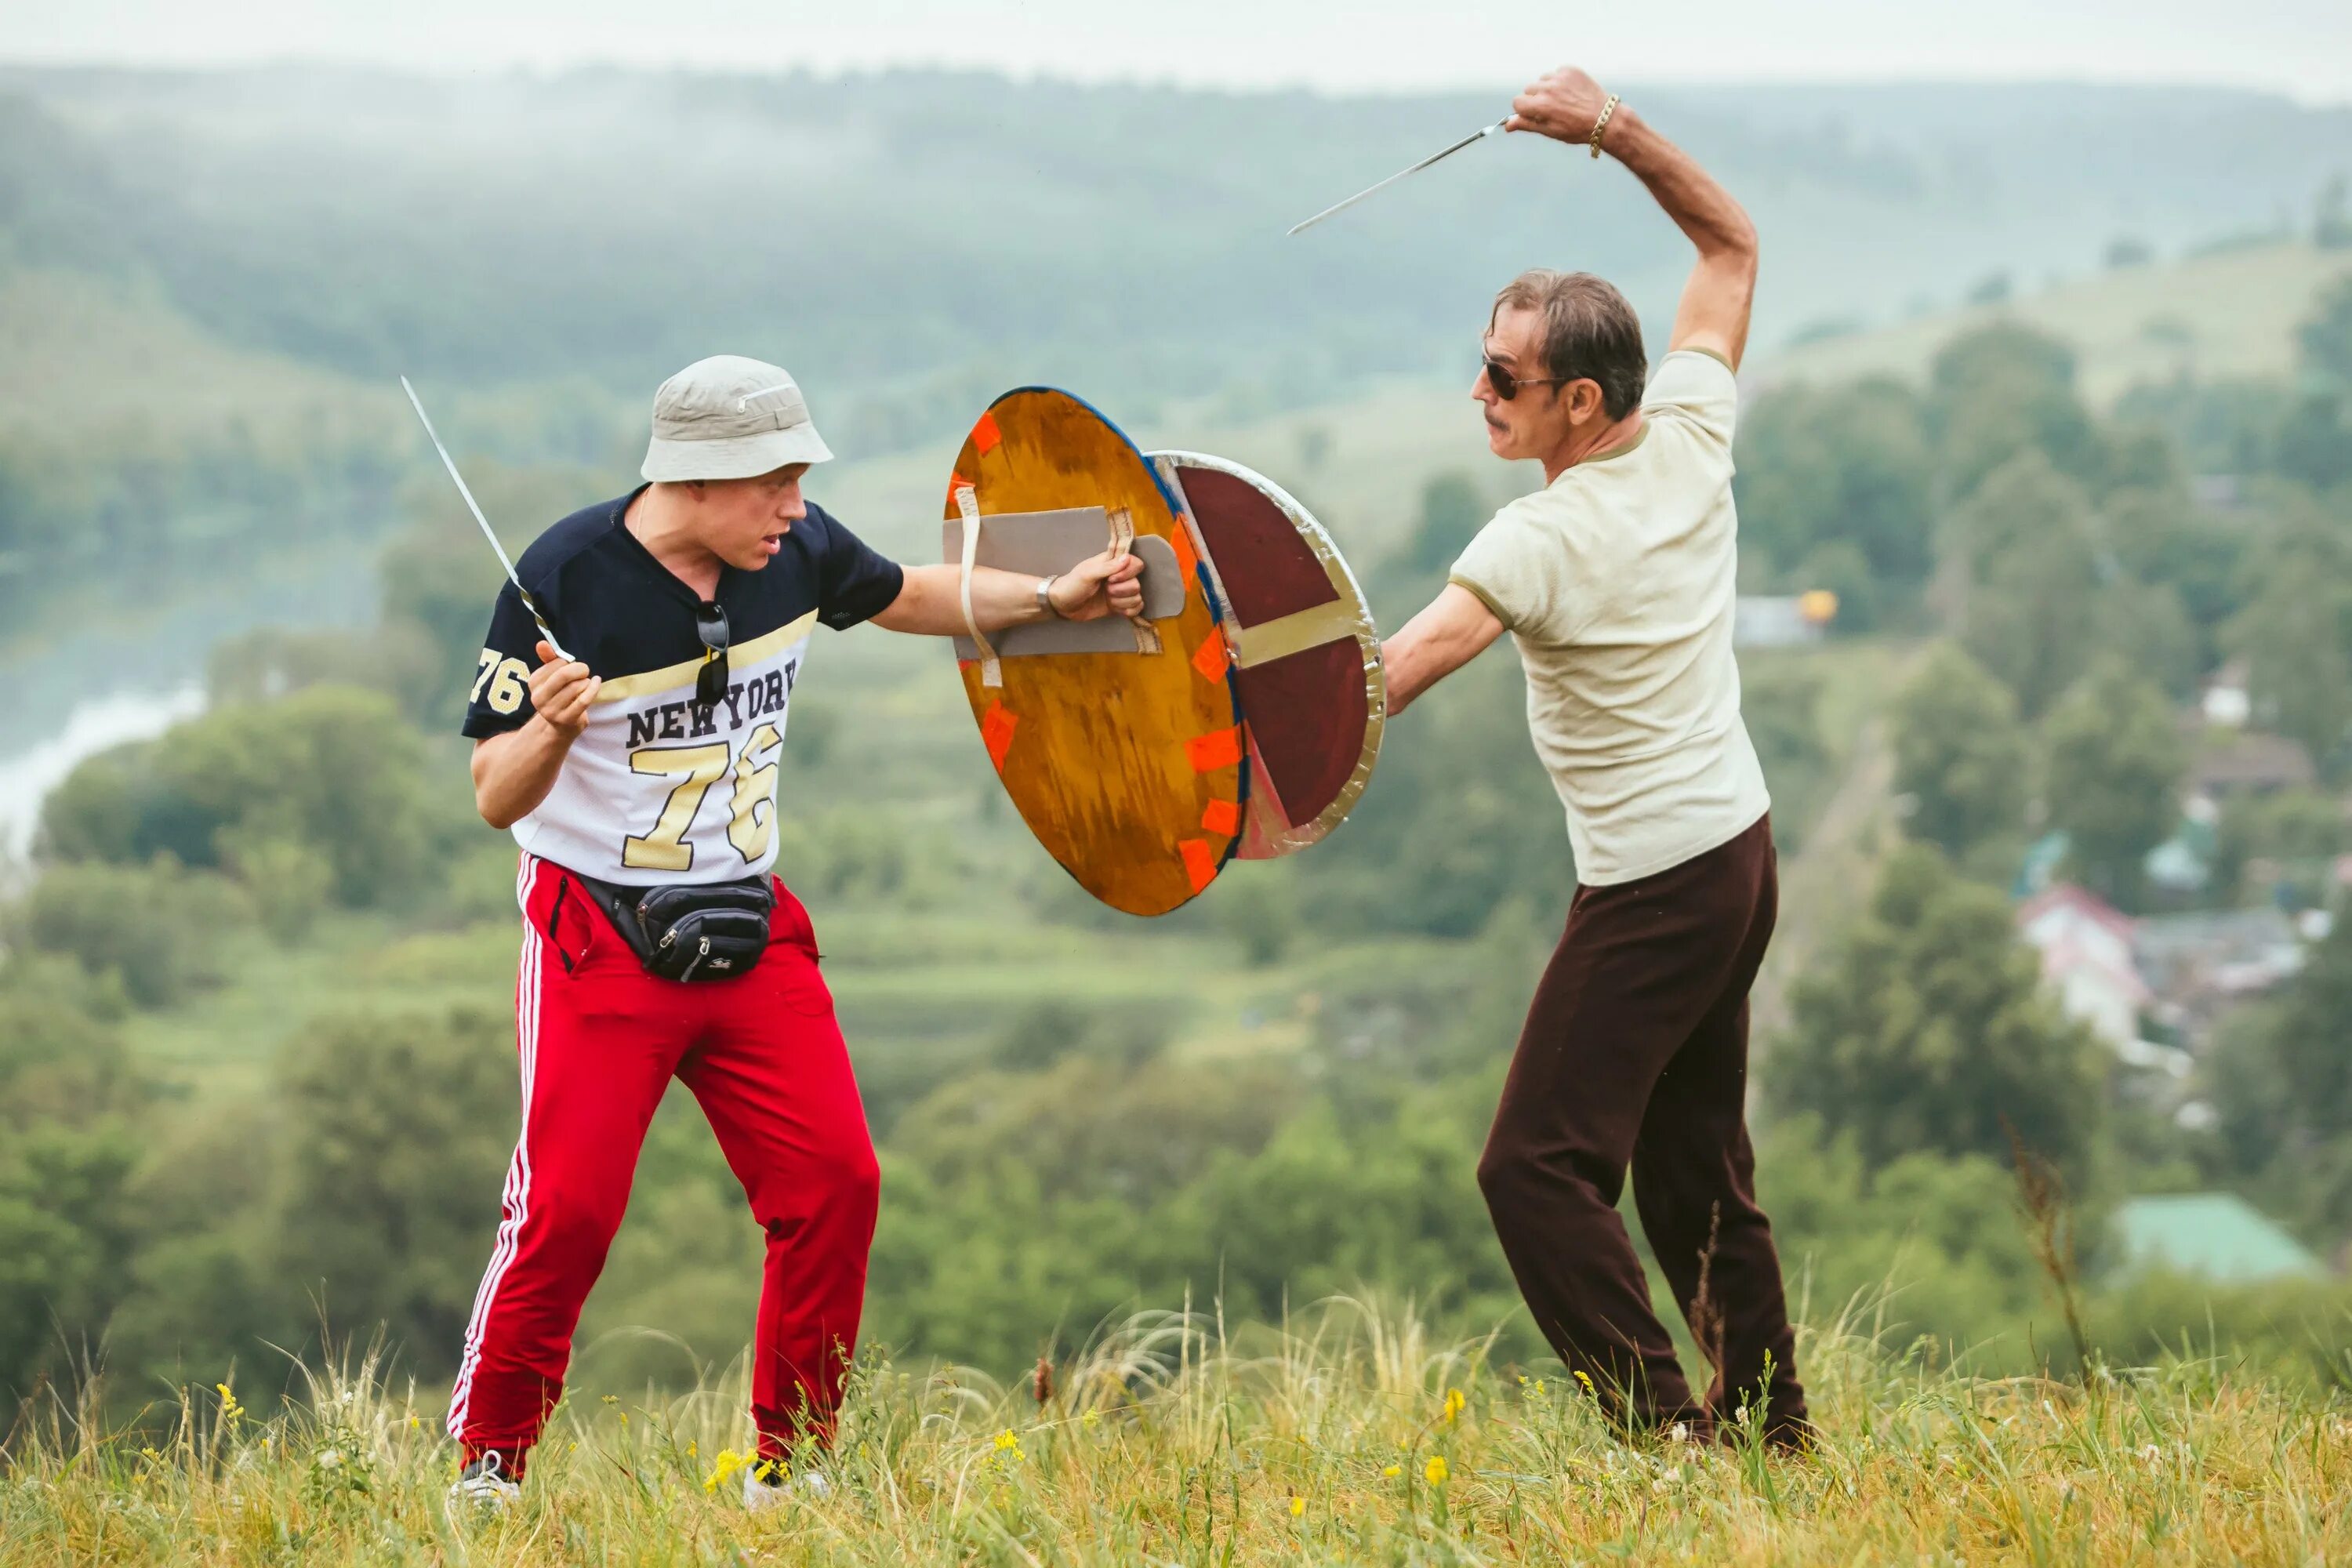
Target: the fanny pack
pixel 704 930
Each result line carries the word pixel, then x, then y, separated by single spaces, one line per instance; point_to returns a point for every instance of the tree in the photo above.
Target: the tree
pixel 1846 466
pixel 2303 828
pixel 1780 703
pixel 334 769
pixel 2162 538
pixel 67 1149
pixel 1960 753
pixel 2145 625
pixel 2326 338
pixel 396 1128
pixel 1261 913
pixel 2115 758
pixel 2315 439
pixel 2331 215
pixel 1926 1028
pixel 2282 1081
pixel 155 932
pixel 2004 390
pixel 2314 445
pixel 2296 630
pixel 1452 510
pixel 2024 544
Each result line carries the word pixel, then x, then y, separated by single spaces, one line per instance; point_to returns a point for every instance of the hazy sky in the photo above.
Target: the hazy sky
pixel 2302 47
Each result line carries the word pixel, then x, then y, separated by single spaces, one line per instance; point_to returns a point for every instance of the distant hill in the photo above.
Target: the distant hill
pixel 111 365
pixel 2229 314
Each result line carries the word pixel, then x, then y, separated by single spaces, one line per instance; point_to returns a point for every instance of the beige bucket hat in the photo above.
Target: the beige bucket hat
pixel 729 417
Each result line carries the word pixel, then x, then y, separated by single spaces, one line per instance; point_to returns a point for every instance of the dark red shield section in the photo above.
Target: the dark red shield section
pixel 1304 654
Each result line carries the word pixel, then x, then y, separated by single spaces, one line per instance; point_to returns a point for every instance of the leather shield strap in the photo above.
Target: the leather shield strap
pixel 991 673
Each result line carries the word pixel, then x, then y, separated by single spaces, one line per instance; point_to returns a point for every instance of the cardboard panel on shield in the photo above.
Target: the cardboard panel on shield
pixel 1306 655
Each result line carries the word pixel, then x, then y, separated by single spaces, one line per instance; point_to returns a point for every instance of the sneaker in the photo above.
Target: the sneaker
pixel 482 1488
pixel 766 1482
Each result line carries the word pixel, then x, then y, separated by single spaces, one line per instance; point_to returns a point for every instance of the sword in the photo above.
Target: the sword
pixel 528 602
pixel 1401 173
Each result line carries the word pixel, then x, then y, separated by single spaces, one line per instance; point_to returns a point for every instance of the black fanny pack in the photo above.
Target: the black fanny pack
pixel 708 931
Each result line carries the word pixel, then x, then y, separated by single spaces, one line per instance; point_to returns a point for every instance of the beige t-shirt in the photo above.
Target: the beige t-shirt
pixel 1616 581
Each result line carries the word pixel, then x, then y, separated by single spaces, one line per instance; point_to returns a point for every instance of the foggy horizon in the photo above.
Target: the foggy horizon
pixel 2282 46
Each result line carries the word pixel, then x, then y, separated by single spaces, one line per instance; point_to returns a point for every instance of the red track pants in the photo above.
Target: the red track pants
pixel 599 1039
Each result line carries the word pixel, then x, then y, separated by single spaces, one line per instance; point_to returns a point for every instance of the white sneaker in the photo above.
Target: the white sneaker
pixel 481 1488
pixel 765 1484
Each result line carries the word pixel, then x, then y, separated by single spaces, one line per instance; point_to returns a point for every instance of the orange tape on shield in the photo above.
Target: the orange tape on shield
pixel 985 435
pixel 996 726
pixel 1200 862
pixel 1217 749
pixel 1210 662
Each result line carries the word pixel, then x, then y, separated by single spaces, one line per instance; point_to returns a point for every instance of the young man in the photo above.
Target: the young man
pixel 1616 582
pixel 639 778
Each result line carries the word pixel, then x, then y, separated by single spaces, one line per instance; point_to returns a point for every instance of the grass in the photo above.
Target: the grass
pixel 1337 1440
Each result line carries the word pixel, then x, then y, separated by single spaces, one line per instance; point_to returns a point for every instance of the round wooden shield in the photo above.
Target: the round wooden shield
pixel 1129 766
pixel 1306 655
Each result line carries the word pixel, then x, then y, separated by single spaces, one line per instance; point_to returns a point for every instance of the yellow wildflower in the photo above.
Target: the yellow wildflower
pixel 727 1464
pixel 1006 1440
pixel 230 1408
pixel 689 1451
pixel 1393 1471
pixel 1587 1381
pixel 413 1423
pixel 1539 1388
pixel 150 1455
pixel 1297 1507
pixel 1436 1470
pixel 1091 1419
pixel 1453 1405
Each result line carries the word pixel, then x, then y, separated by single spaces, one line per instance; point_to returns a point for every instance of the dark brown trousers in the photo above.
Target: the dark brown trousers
pixel 1636 1051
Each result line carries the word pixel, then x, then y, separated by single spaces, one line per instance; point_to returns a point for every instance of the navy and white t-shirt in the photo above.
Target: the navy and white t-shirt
pixel 659 788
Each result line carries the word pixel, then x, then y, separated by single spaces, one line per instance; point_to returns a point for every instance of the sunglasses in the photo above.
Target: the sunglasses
pixel 710 681
pixel 1507 381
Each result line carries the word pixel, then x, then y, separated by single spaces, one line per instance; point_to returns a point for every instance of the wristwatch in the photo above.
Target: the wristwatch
pixel 1045 596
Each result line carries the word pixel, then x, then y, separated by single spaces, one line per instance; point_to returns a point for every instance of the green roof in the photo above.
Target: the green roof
pixel 2217 1235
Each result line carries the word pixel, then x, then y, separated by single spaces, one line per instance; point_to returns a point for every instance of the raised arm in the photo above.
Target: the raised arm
pixel 1713 316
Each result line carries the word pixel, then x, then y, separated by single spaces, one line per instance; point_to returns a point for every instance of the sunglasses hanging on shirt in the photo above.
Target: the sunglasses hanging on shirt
pixel 710 681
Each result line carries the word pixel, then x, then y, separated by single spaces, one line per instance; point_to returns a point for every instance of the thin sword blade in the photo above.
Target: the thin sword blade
pixel 471 505
pixel 1401 173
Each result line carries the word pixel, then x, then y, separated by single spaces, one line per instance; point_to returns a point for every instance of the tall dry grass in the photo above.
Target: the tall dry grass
pixel 1351 1436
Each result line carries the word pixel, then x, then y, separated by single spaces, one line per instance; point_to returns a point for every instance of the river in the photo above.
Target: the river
pixel 104 668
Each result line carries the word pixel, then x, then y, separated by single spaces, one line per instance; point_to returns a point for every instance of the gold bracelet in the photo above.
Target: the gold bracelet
pixel 1601 124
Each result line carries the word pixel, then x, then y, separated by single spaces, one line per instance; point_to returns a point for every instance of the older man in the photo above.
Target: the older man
pixel 1616 582
pixel 639 779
